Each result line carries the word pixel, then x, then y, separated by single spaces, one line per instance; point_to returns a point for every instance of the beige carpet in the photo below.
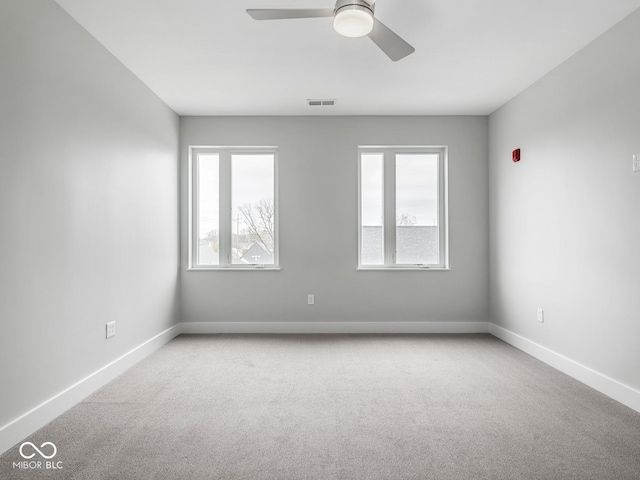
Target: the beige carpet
pixel 327 407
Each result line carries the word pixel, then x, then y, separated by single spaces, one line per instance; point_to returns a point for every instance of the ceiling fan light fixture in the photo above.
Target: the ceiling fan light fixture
pixel 353 21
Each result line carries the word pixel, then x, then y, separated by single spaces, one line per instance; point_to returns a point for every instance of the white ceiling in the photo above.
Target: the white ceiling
pixel 208 57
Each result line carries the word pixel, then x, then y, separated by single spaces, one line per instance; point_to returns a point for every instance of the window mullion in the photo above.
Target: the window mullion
pixel 225 209
pixel 389 202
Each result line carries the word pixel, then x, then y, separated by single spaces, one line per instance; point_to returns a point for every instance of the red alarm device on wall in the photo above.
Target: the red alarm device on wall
pixel 515 155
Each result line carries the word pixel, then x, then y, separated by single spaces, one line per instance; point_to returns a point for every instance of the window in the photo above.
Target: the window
pixel 402 208
pixel 233 207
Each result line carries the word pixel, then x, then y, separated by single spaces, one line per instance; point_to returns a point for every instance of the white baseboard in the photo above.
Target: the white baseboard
pixel 612 388
pixel 23 426
pixel 334 327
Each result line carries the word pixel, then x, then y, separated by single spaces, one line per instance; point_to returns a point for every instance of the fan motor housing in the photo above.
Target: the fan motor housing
pixel 354 4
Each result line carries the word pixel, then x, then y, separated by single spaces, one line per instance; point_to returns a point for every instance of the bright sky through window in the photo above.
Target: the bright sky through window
pixel 251 178
pixel 208 194
pixel 371 189
pixel 417 189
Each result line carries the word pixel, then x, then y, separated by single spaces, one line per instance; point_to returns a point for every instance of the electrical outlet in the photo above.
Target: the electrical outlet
pixel 311 299
pixel 636 163
pixel 111 329
pixel 541 315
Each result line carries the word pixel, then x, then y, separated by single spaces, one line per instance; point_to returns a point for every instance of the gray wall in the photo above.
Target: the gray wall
pixel 88 206
pixel 565 225
pixel 318 170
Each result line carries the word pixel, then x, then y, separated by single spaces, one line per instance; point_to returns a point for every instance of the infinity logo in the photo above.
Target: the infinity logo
pixel 55 450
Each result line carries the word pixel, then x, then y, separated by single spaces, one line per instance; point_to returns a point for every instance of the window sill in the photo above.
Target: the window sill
pixel 233 269
pixel 403 269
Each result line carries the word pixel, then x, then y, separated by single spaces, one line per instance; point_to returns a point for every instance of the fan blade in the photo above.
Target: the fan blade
pixel 285 13
pixel 391 44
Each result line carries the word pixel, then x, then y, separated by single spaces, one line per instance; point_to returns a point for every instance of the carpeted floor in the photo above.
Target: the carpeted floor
pixel 327 407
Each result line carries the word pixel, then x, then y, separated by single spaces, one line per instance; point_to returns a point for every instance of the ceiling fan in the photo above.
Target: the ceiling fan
pixel 351 18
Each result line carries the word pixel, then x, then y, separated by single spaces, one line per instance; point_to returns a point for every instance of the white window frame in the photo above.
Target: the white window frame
pixel 226 222
pixel 389 205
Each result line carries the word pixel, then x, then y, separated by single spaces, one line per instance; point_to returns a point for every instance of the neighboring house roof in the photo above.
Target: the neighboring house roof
pixel 256 254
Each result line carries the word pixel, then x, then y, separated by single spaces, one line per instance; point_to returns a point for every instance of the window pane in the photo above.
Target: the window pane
pixel 252 209
pixel 371 213
pixel 416 209
pixel 208 209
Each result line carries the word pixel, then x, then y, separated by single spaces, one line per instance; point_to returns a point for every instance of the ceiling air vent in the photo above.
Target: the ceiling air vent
pixel 320 103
